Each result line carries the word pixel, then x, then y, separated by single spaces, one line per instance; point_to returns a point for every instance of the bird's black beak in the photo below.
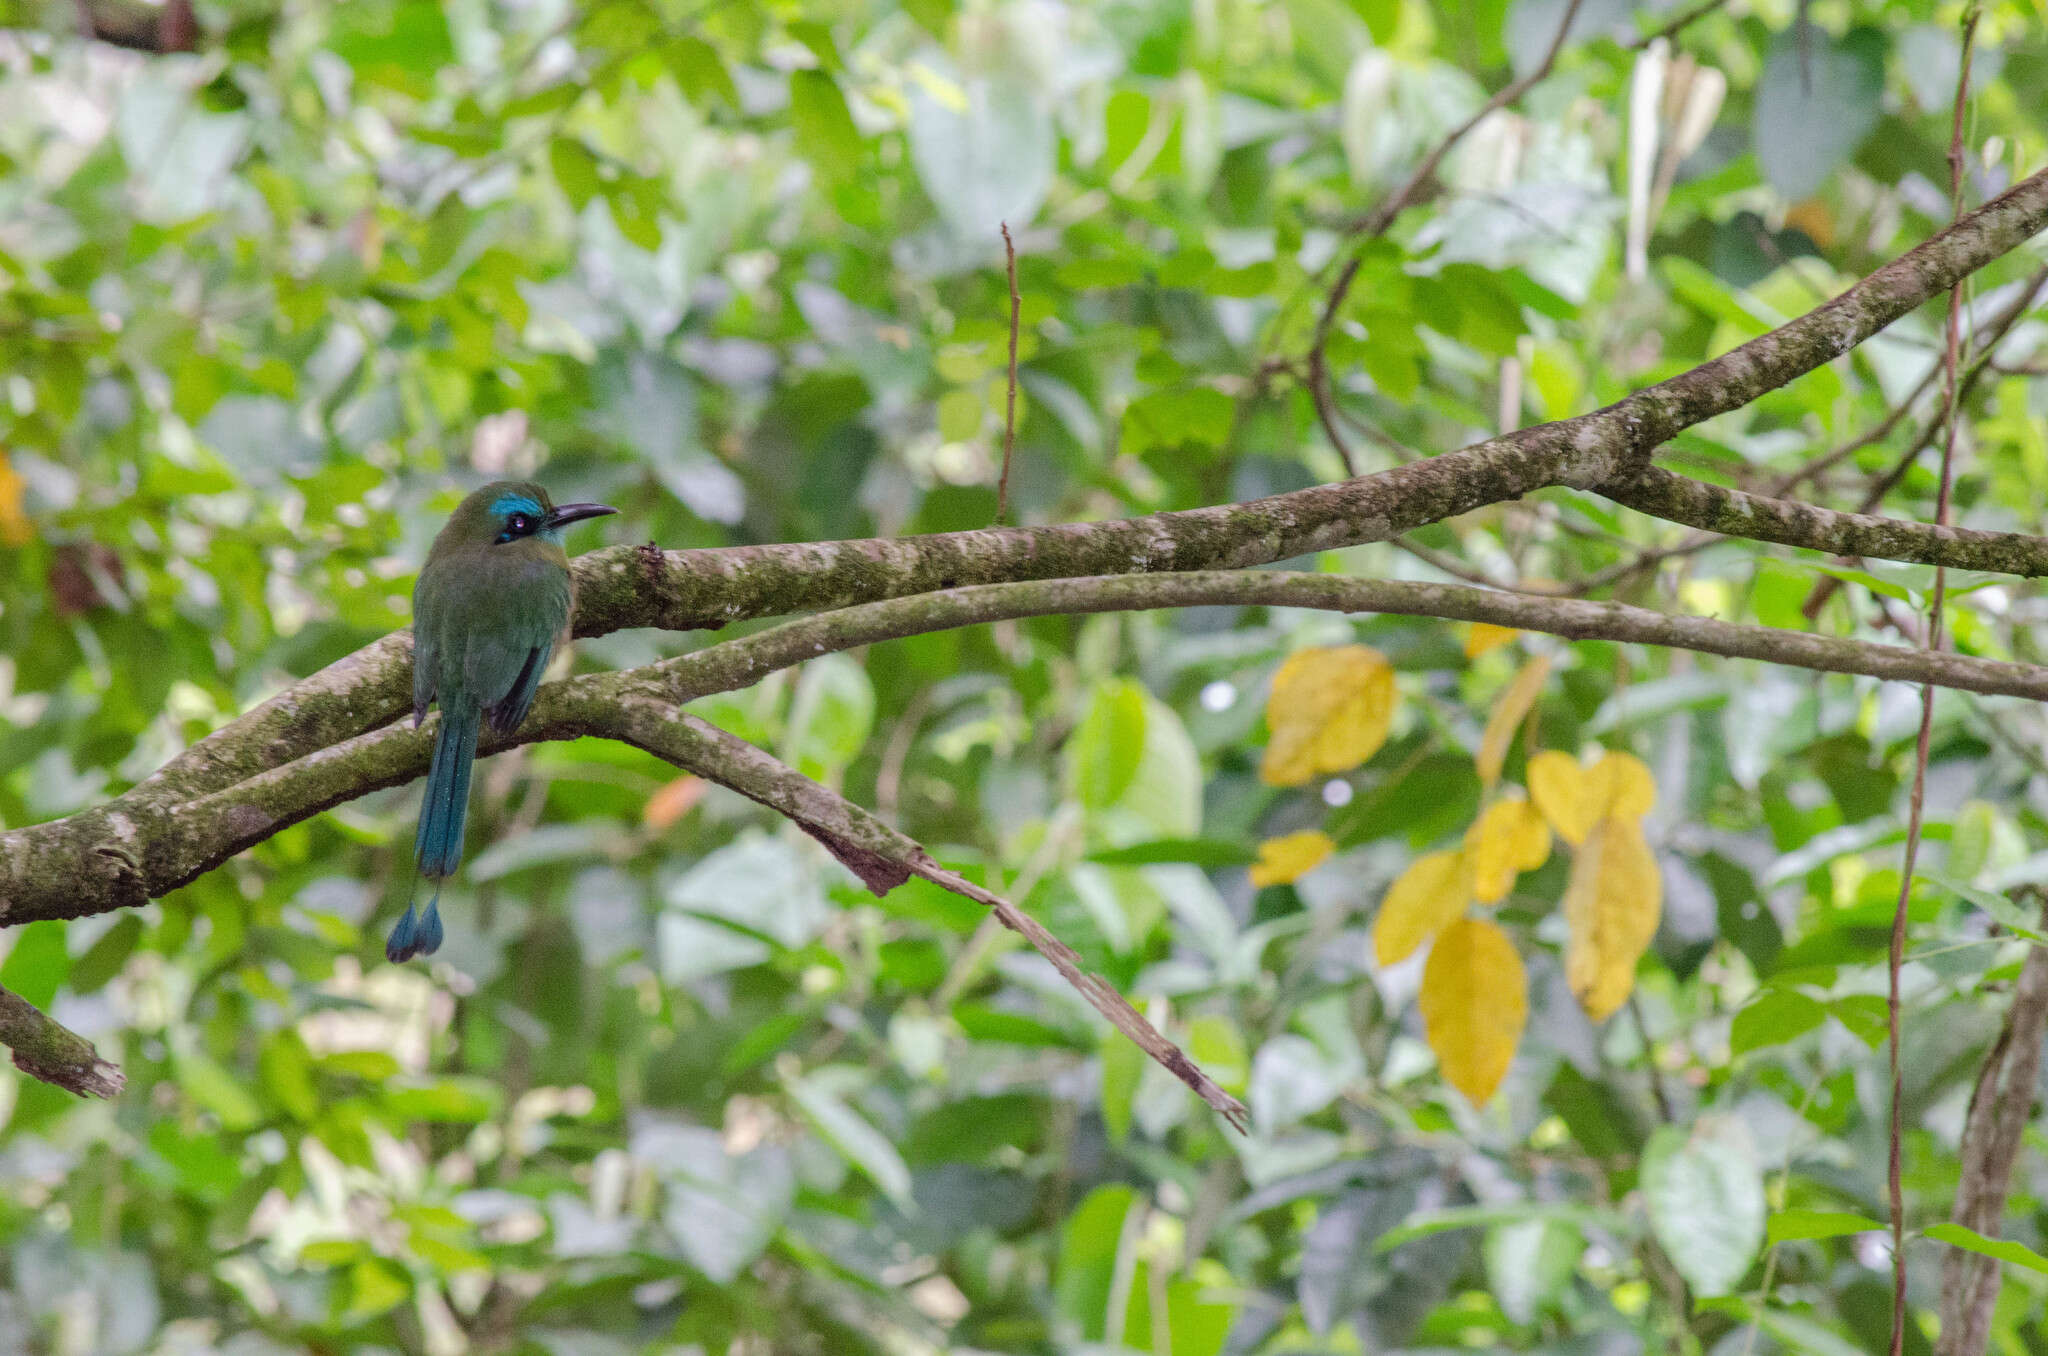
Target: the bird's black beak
pixel 564 514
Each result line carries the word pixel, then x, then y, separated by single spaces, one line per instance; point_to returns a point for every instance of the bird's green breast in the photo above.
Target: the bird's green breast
pixel 482 609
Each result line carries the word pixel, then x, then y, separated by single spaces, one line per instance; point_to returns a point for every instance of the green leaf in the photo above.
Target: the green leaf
pixel 218 1091
pixel 763 883
pixel 1774 1017
pixel 575 170
pixel 1529 1264
pixel 549 845
pixel 824 129
pixel 550 99
pixel 1123 1064
pixel 1103 754
pixel 460 1101
pixel 830 717
pixel 2021 922
pixel 1865 578
pixel 1211 853
pixel 983 147
pixel 1790 1225
pixel 446 230
pixel 1196 1321
pixel 1865 1015
pixel 1197 417
pixel 38 963
pixel 2004 1249
pixel 960 414
pixel 400 44
pixel 858 1142
pixel 330 1252
pixel 375 1287
pixel 372 1066
pixel 1817 99
pixel 636 202
pixel 983 1023
pixel 1425 1223
pixel 1088 1254
pixel 1969 849
pixel 201 1166
pixel 1163 798
pixel 1467 303
pixel 700 72
pixel 1795 1332
pixel 970 1129
pixel 287 1073
pixel 1705 1194
pixel 105 957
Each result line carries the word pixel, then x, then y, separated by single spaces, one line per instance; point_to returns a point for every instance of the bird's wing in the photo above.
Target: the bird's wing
pixel 508 711
pixel 513 625
pixel 424 660
pixel 426 651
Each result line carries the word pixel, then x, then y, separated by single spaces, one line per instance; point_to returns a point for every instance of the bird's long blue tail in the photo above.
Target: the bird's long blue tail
pixel 443 811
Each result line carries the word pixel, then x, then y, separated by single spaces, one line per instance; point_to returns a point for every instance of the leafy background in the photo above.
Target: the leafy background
pixel 676 1084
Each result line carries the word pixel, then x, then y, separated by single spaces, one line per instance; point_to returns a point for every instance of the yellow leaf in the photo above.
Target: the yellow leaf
pixel 1508 839
pixel 1611 906
pixel 1620 785
pixel 1429 894
pixel 15 527
pixel 1481 637
pixel 1475 999
pixel 1575 798
pixel 1507 714
pixel 1329 712
pixel 1288 859
pixel 674 800
pixel 1558 786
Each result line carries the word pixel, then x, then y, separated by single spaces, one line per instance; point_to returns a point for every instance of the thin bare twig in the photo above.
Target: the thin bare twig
pixel 1895 1154
pixel 1375 223
pixel 1010 394
pixel 1450 565
pixel 883 858
pixel 1100 993
pixel 1676 26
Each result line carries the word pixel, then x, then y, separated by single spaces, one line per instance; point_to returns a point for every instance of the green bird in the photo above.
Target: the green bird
pixel 490 606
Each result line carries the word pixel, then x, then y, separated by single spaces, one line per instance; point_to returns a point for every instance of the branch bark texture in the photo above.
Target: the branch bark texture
pixel 55 1054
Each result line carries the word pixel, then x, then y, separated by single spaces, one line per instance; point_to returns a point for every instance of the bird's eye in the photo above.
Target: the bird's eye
pixel 519 522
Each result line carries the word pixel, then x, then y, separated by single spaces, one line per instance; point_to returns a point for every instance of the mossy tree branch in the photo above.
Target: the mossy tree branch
pixel 53 1053
pixel 1605 451
pixel 136 847
pixel 1789 522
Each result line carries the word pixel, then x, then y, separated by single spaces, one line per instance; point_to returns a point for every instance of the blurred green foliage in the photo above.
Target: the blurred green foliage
pixel 677 1084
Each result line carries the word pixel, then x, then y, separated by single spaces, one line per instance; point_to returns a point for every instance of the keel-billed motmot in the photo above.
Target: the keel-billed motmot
pixel 491 605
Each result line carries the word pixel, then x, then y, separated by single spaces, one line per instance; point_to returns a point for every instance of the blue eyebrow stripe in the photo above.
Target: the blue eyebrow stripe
pixel 515 503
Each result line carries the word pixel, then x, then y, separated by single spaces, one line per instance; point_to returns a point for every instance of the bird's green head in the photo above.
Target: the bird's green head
pixel 506 511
